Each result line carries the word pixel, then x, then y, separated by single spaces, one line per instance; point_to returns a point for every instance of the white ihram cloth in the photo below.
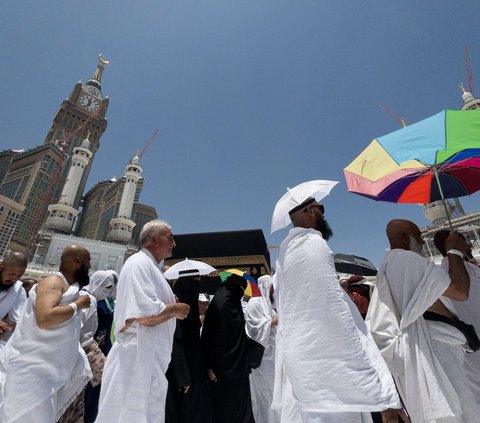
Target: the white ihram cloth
pixel 102 284
pixel 258 325
pixel 134 386
pixel 46 369
pixel 324 350
pixel 417 350
pixel 469 312
pixel 12 302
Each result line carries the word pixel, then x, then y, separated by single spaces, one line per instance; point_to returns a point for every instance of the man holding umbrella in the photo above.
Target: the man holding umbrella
pixel 416 329
pixel 328 368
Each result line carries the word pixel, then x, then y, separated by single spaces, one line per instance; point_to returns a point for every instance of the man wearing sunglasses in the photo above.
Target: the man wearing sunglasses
pixel 328 368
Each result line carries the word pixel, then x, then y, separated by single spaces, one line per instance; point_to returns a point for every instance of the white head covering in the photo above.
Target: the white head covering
pixel 259 313
pixel 203 298
pixel 102 284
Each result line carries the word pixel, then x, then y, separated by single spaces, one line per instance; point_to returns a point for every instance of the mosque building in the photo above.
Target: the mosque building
pixel 42 206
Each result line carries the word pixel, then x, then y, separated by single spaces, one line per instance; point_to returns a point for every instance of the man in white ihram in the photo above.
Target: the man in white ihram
pixel 44 366
pixel 328 369
pixel 12 294
pixel 468 310
pixel 407 318
pixel 134 385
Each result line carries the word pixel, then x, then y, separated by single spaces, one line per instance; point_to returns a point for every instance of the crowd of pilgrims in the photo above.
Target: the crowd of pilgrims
pixel 135 347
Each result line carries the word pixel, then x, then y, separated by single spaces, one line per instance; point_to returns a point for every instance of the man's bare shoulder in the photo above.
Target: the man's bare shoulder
pixel 51 283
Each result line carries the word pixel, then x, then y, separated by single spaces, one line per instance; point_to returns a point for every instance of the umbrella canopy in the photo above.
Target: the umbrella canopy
pixel 252 287
pixel 433 159
pixel 318 189
pixel 188 268
pixel 354 265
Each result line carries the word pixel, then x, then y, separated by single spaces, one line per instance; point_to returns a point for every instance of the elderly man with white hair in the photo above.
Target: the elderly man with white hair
pixel 261 326
pixel 134 385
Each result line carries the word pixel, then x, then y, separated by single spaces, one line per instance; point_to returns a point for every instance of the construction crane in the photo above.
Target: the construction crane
pixel 468 67
pixel 400 120
pixel 147 144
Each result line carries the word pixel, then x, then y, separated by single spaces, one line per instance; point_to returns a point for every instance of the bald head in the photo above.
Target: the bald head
pixel 15 259
pixel 402 233
pixel 75 264
pixel 73 252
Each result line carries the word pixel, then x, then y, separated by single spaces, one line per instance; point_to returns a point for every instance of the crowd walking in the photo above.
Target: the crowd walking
pixel 137 348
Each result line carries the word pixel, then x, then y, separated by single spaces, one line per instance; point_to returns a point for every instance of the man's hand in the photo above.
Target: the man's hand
pixel 391 415
pixel 83 301
pixel 455 242
pixel 182 311
pixel 274 321
pixel 5 327
pixel 212 376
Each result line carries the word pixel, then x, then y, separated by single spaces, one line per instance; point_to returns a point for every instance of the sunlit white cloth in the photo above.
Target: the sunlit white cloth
pixel 12 303
pixel 258 325
pixel 45 369
pixel 469 311
pixel 134 385
pixel 324 350
pixel 101 285
pixel 407 285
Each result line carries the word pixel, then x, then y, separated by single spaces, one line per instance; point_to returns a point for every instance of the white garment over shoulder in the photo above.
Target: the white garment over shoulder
pixel 469 312
pixel 134 385
pixel 324 350
pixel 258 325
pixel 12 303
pixel 407 285
pixel 42 365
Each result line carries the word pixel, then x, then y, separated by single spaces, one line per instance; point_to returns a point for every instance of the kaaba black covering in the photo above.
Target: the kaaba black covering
pixel 221 244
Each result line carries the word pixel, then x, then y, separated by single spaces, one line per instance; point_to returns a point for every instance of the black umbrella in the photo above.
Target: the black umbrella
pixel 354 265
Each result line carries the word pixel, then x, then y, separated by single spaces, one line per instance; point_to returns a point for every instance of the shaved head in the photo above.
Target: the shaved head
pixel 72 252
pixel 400 233
pixel 15 259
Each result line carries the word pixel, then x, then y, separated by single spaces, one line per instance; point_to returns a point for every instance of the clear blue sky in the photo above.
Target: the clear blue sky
pixel 250 96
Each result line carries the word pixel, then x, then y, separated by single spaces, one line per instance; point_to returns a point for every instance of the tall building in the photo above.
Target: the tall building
pixel 144 214
pixel 121 226
pixel 10 212
pixel 105 205
pixel 82 114
pixel 30 181
pixel 62 214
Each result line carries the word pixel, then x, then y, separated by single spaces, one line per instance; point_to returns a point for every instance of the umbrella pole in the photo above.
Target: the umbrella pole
pixel 441 194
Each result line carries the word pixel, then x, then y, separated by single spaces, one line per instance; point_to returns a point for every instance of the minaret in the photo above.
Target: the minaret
pixel 121 227
pixel 468 100
pixel 63 213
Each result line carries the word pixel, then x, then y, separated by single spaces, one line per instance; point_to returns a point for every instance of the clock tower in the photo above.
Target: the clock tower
pixel 80 116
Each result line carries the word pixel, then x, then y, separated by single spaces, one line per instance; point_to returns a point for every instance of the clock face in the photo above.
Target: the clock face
pixel 89 103
pixel 93 90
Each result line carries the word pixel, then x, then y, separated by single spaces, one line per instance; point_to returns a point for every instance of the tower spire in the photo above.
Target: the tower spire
pixel 97 76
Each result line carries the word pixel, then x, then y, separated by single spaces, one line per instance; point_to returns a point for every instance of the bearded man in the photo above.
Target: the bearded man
pixel 44 367
pixel 12 294
pixel 416 329
pixel 327 367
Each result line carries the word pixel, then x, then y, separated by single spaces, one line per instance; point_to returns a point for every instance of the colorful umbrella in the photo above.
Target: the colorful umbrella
pixel 431 160
pixel 252 287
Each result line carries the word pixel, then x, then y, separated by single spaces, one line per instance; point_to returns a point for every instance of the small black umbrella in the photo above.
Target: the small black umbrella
pixel 354 265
